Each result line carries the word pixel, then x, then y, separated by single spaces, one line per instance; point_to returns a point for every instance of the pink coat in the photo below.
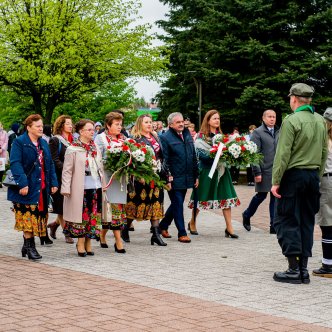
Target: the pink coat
pixel 3 143
pixel 73 174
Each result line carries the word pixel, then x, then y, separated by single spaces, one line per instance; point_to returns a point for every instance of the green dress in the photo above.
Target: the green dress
pixel 212 193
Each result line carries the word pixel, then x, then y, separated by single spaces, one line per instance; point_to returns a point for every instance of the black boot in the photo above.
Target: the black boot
pixel 293 274
pixel 125 234
pixel 304 270
pixel 24 247
pixel 156 238
pixel 31 249
pixel 325 271
pixel 45 239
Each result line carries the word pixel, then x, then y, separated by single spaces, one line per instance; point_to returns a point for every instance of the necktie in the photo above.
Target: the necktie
pixel 181 136
pixel 272 132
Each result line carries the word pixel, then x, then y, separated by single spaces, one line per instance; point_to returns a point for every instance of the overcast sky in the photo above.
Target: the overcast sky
pixel 151 11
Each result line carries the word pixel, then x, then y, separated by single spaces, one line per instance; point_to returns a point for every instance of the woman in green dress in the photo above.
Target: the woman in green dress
pixel 218 192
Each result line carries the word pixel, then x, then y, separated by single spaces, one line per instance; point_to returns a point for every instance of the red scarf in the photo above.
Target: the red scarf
pixel 90 148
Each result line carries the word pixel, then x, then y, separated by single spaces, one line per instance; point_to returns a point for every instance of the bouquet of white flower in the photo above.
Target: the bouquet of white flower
pixel 236 150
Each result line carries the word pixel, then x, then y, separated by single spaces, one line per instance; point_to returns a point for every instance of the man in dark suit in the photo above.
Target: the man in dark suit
pixel 180 163
pixel 266 138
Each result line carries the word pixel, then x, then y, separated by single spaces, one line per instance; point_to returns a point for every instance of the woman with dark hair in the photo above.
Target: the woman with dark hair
pixel 116 194
pixel 218 192
pixel 33 170
pixel 62 138
pixel 81 185
pixel 146 201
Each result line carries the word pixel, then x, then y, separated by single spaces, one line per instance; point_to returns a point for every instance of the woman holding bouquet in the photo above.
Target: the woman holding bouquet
pixel 218 192
pixel 81 185
pixel 116 193
pixel 145 201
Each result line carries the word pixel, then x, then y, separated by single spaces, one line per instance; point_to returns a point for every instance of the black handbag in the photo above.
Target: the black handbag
pixel 9 180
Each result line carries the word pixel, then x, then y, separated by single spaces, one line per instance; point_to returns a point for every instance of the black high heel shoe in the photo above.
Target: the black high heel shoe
pixel 80 254
pixel 45 240
pixel 228 234
pixel 191 232
pixel 119 251
pixel 103 245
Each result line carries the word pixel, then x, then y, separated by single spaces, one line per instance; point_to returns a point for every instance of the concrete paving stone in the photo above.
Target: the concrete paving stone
pixel 236 273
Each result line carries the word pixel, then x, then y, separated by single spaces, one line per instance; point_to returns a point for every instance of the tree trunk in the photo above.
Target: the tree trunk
pixel 37 102
pixel 52 102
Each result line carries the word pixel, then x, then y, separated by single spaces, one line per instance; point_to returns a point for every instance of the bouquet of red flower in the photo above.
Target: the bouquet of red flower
pixel 236 150
pixel 134 159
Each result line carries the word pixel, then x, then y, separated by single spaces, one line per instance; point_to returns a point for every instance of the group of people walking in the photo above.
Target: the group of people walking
pixel 70 172
pixel 88 201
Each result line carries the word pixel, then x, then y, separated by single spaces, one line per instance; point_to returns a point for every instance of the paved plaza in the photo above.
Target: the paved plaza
pixel 214 283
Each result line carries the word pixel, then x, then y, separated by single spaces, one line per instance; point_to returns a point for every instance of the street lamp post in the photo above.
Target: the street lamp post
pixel 198 83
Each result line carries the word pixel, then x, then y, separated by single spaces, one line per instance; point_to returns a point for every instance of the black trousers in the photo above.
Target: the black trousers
pixel 295 211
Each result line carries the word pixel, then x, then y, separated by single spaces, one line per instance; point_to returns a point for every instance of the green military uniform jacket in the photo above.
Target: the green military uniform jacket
pixel 302 143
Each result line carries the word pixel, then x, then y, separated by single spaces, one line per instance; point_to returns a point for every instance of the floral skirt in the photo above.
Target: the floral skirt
pixel 118 217
pixel 28 218
pixel 214 193
pixel 145 203
pixel 91 217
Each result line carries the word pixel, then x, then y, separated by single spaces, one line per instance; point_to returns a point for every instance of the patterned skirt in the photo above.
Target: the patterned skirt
pixel 145 203
pixel 28 218
pixel 118 217
pixel 91 217
pixel 214 193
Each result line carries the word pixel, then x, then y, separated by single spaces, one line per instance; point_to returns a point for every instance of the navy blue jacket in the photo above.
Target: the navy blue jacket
pixel 180 159
pixel 22 157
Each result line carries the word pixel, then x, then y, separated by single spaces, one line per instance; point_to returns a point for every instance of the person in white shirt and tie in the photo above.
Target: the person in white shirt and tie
pixel 266 138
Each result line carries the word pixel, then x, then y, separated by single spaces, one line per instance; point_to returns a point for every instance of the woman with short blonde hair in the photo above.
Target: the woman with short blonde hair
pixel 146 201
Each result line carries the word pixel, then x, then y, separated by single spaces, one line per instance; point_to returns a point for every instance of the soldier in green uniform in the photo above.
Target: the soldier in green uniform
pixel 298 164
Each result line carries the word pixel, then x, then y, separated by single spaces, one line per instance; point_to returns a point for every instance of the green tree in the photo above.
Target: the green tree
pixel 54 51
pixel 246 53
pixel 94 106
pixel 13 108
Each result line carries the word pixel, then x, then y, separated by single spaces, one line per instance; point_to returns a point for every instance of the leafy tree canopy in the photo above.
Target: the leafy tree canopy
pixel 54 51
pixel 246 54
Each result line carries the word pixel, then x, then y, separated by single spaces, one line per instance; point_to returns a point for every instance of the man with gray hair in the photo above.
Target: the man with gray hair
pixel 298 164
pixel 180 163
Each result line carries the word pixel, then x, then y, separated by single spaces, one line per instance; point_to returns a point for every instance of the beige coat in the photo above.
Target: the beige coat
pixel 73 174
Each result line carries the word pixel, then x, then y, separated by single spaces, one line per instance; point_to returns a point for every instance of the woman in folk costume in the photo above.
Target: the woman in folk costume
pixel 62 131
pixel 146 201
pixel 82 187
pixel 116 194
pixel 218 192
pixel 33 170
